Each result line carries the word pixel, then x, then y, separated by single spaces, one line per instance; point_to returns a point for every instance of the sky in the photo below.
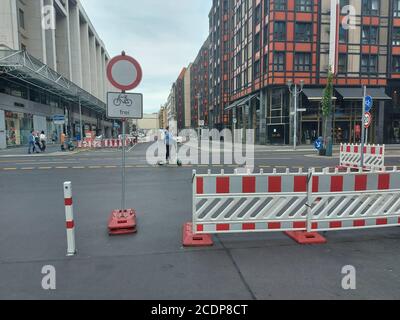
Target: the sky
pixel 163 35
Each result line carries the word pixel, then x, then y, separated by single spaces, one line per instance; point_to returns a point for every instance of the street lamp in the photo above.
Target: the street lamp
pixel 295 90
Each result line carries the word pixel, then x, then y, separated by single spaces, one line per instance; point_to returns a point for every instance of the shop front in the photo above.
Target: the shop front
pixel 18 128
pixel 392 116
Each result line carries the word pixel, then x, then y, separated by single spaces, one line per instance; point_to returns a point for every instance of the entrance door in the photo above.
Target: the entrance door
pixel 3 144
pixel 276 134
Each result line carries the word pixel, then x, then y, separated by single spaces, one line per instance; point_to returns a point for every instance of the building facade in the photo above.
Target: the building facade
pixel 256 47
pixel 52 63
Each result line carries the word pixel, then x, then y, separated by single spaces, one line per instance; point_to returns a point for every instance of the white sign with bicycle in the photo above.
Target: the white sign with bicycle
pixel 124 105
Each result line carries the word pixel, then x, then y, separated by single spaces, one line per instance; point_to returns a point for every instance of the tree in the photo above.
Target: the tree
pixel 327 113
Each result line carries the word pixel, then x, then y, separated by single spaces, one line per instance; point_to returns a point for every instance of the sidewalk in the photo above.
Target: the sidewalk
pixel 52 150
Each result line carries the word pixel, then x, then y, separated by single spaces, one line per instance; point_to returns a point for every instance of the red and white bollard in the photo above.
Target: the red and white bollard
pixel 69 216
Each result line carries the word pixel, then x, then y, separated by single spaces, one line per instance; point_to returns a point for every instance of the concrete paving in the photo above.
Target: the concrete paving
pixel 152 264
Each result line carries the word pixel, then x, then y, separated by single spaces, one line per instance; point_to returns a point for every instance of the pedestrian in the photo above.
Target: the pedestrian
pixel 168 143
pixel 62 140
pixel 37 142
pixel 43 141
pixel 31 141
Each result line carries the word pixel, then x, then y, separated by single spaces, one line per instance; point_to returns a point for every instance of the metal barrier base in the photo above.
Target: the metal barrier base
pixel 122 222
pixel 195 240
pixel 303 237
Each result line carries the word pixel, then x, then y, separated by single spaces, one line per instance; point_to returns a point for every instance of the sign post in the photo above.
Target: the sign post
pixel 366 121
pixel 124 73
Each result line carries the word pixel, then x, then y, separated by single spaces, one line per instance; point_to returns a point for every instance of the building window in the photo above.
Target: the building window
pixel 304 5
pixel 396 64
pixel 21 18
pixel 343 3
pixel 279 61
pixel 280 5
pixel 396 36
pixel 369 64
pixel 266 64
pixel 257 69
pixel 302 61
pixel 266 35
pixel 369 35
pixel 258 14
pixel 303 32
pixel 370 7
pixel 257 43
pixel 280 31
pixel 396 9
pixel 342 66
pixel 343 35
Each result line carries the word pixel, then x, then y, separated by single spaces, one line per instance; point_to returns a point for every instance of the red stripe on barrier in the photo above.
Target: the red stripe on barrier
pixel 200 185
pixel 299 225
pixel 373 150
pixel 300 184
pixel 223 227
pixel 365 149
pixel 249 226
pixel 381 150
pixel 359 223
pixel 68 202
pixel 356 150
pixel 381 222
pixel 361 183
pixel 315 184
pixel 348 149
pixel 335 224
pixel 314 226
pixel 249 184
pixel 384 182
pixel 337 184
pixel 70 224
pixel 223 185
pixel 275 184
pixel 200 228
pixel 274 225
pixel 342 148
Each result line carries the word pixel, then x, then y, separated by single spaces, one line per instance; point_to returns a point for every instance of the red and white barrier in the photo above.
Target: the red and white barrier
pixel 374 156
pixel 300 204
pixel 69 216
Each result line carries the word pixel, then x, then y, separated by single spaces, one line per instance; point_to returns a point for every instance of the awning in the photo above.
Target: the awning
pixel 357 94
pixel 315 94
pixel 22 66
pixel 241 102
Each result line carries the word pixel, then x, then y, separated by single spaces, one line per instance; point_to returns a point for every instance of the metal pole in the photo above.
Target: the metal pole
pixel 198 115
pixel 295 117
pixel 80 118
pixel 363 127
pixel 123 207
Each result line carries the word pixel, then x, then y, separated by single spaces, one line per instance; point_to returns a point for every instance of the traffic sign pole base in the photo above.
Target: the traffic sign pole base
pixel 122 222
pixel 195 240
pixel 303 237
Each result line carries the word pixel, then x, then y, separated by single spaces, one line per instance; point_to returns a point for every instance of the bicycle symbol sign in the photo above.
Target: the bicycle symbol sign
pixel 124 105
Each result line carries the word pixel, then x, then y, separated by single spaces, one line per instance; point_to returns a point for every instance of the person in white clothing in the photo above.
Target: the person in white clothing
pixel 43 139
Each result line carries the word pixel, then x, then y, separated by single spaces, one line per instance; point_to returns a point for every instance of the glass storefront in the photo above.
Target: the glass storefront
pixel 18 127
pixel 392 116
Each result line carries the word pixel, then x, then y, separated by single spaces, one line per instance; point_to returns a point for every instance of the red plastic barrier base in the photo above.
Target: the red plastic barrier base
pixel 303 237
pixel 195 240
pixel 122 222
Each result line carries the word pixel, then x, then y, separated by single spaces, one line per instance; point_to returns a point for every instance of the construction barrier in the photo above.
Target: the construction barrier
pixel 299 204
pixel 107 143
pixel 69 216
pixel 374 156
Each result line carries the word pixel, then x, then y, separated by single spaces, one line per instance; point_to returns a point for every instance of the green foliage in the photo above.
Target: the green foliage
pixel 327 98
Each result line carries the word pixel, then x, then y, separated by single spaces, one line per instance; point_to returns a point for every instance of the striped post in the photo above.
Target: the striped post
pixel 69 216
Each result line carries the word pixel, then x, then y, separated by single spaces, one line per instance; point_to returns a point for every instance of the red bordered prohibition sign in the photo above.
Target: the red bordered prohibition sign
pixel 124 72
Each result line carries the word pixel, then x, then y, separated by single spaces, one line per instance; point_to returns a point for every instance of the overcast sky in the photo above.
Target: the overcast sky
pixel 163 35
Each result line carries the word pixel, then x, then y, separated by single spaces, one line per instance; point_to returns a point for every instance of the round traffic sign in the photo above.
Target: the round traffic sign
pixel 367 120
pixel 124 72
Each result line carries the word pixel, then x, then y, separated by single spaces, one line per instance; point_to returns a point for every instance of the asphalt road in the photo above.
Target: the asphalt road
pixel 152 264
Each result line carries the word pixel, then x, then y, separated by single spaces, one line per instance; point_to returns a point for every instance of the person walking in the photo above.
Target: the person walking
pixel 62 141
pixel 37 142
pixel 42 141
pixel 168 144
pixel 31 141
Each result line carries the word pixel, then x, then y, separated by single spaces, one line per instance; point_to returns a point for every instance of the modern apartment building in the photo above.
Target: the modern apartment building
pixel 199 88
pixel 52 63
pixel 179 88
pixel 187 93
pixel 257 46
